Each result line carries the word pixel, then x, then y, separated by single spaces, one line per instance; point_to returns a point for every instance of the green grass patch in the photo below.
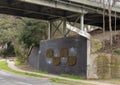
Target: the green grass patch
pixel 71 76
pixel 38 71
pixel 17 62
pixel 66 82
pixel 4 66
pixel 55 80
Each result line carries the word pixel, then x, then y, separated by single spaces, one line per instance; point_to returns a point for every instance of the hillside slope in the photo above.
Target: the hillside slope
pixel 98 34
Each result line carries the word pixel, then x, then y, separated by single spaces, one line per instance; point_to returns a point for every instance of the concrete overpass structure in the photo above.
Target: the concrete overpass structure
pixel 54 9
pixel 77 11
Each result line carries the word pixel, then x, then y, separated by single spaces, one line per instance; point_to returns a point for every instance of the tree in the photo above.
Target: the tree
pixel 22 32
pixel 33 32
pixel 114 3
pixel 110 22
pixel 9 28
pixel 30 35
pixel 104 10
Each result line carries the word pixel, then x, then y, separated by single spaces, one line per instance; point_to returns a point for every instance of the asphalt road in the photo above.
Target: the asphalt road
pixel 8 78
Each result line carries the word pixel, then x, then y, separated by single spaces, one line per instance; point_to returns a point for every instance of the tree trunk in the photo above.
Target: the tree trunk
pixel 115 19
pixel 115 26
pixel 110 23
pixel 103 22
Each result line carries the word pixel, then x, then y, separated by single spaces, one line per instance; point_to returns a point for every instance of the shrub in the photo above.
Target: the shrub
pixel 8 52
pixel 102 66
pixel 117 50
pixel 96 45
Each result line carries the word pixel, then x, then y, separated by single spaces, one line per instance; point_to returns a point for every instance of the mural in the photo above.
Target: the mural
pixel 61 56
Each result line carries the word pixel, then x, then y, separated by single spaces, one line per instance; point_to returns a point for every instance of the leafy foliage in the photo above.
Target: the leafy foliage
pixel 96 45
pixel 22 32
pixel 33 32
pixel 9 27
pixel 102 64
pixel 117 50
pixel 8 51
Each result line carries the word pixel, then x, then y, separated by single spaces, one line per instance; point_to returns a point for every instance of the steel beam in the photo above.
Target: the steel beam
pixel 49 30
pixel 57 28
pixel 64 27
pixel 56 4
pixel 82 21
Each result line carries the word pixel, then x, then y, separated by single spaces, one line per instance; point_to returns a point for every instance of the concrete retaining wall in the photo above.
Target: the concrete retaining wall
pixel 34 58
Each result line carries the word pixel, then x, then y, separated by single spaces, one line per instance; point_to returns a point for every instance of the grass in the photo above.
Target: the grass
pixel 4 66
pixel 66 82
pixel 45 72
pixel 38 71
pixel 71 76
pixel 17 63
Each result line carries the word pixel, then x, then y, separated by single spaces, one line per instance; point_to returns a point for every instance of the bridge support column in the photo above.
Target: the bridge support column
pixel 82 22
pixel 49 30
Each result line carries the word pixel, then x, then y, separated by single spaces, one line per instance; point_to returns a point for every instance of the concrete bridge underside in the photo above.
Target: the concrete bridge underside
pixel 54 9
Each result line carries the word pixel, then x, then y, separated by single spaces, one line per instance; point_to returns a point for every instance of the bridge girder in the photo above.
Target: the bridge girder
pixel 54 9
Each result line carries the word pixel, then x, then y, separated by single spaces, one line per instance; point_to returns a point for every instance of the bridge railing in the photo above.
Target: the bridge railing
pixel 105 1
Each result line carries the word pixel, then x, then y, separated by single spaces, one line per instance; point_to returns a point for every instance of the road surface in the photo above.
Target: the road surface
pixel 8 78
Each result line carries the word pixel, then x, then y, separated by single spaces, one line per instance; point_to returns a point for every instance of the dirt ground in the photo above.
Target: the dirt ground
pixel 115 81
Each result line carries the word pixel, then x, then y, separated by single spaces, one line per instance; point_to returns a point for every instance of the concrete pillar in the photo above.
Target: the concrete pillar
pixel 49 30
pixel 82 22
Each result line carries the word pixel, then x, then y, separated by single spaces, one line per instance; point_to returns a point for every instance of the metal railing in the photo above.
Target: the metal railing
pixel 104 1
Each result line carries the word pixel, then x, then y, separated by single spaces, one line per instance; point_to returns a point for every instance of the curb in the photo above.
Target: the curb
pixel 11 65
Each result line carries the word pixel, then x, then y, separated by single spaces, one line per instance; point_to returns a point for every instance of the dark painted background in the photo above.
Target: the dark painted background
pixel 38 59
pixel 78 42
